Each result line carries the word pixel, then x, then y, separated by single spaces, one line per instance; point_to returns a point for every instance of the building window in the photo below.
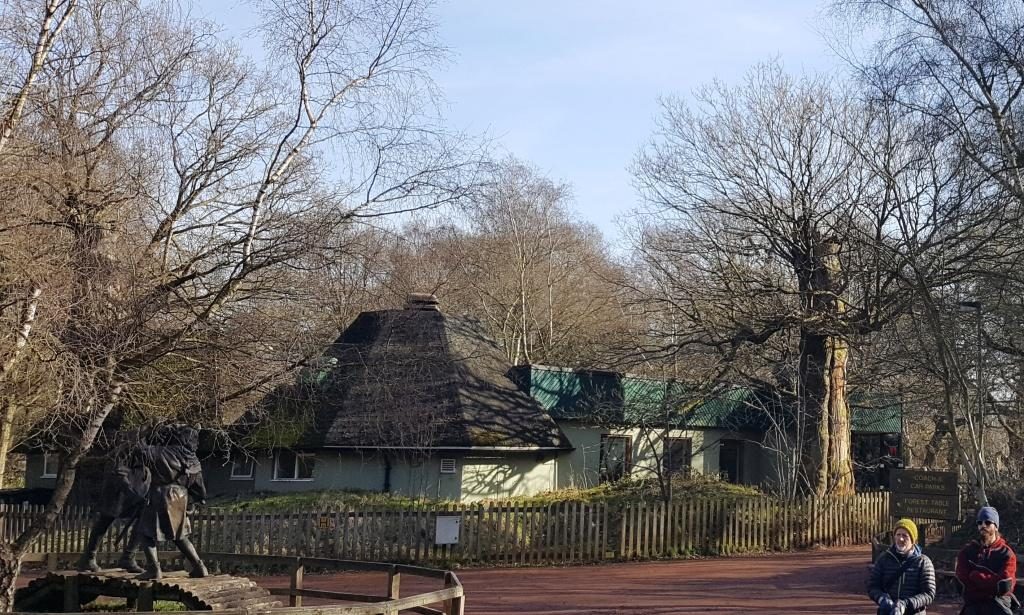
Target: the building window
pixel 616 457
pixel 289 465
pixel 678 453
pixel 51 461
pixel 447 466
pixel 241 466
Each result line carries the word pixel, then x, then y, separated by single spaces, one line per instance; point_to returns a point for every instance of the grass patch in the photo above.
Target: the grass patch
pixel 117 605
pixel 630 490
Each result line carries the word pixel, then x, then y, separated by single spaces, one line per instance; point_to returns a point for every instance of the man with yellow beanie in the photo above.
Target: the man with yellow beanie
pixel 902 580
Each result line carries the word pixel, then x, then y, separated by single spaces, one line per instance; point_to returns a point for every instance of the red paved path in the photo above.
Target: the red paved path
pixel 829 581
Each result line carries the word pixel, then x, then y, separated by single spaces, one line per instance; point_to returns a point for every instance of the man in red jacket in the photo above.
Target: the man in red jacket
pixel 987 568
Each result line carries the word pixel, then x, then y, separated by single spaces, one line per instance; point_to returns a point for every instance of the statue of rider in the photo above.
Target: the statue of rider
pixel 123 496
pixel 176 476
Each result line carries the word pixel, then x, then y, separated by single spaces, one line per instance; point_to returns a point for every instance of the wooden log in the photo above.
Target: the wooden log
pixel 394 582
pixel 144 600
pixel 72 604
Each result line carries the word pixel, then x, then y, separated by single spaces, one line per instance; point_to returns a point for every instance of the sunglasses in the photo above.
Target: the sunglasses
pixel 981 523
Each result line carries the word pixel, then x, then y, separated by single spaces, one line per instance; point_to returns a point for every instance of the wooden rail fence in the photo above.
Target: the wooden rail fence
pixel 509 534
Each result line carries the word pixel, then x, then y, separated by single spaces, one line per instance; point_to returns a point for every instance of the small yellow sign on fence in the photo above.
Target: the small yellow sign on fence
pixel 327 522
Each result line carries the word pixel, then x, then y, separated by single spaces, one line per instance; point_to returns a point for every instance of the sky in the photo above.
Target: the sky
pixel 572 86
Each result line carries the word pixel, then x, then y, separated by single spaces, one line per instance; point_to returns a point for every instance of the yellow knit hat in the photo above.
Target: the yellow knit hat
pixel 908 525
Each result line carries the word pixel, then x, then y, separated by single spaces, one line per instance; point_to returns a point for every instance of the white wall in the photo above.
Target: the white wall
pixel 497 478
pixel 474 477
pixel 580 468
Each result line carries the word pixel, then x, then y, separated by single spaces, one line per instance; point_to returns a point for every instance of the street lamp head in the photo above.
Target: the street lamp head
pixel 969 306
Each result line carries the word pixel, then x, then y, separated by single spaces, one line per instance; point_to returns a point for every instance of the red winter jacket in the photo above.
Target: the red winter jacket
pixel 980 569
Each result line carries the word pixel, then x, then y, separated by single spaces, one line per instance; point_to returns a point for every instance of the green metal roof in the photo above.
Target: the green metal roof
pixel 875 414
pixel 613 397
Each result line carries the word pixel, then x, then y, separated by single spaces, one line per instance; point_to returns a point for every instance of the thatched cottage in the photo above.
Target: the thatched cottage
pixel 418 402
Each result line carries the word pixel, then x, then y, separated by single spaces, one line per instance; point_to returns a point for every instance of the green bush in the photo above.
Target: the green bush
pixel 269 502
pixel 627 490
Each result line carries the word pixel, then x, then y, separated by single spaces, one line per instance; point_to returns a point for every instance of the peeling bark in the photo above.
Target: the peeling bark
pixel 827 462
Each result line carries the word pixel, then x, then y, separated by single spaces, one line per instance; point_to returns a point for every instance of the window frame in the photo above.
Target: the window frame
pixel 240 459
pixel 687 465
pixel 49 458
pixel 295 466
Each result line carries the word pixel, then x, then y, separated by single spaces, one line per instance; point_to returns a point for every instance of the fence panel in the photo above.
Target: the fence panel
pixel 506 533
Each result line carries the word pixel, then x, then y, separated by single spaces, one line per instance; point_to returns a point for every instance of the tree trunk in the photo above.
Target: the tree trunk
pixel 827 462
pixel 840 462
pixel 10 567
pixel 12 552
pixel 6 432
pixel 828 467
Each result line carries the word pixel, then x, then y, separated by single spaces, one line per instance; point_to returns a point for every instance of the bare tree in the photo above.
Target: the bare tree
pixel 24 65
pixel 954 67
pixel 176 188
pixel 26 61
pixel 540 280
pixel 765 221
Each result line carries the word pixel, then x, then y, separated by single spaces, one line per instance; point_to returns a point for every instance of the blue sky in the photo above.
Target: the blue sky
pixel 572 86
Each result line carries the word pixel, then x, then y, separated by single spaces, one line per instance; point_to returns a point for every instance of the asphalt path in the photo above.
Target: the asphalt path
pixel 825 581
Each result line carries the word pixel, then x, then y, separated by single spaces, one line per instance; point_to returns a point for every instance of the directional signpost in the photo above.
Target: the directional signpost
pixel 925 494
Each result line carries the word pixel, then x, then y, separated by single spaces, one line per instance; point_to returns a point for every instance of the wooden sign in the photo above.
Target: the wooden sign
pixel 923 481
pixel 326 522
pixel 941 507
pixel 925 494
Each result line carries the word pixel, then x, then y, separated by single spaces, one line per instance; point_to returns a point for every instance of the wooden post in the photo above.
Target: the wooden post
pixel 71 603
pixel 144 601
pixel 52 562
pixel 296 583
pixel 394 581
pixel 455 606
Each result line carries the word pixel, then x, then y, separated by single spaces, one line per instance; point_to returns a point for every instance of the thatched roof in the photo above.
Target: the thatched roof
pixel 414 378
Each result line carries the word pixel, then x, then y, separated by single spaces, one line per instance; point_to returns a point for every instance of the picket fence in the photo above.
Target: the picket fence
pixel 509 534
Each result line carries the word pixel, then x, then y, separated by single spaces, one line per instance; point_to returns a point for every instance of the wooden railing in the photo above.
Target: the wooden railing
pixel 511 534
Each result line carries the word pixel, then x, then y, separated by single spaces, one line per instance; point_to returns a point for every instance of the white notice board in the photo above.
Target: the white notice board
pixel 446 531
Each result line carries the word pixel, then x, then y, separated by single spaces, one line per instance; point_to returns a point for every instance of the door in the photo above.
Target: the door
pixel 616 458
pixel 730 460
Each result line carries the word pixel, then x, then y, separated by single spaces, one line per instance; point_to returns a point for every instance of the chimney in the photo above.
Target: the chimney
pixel 422 301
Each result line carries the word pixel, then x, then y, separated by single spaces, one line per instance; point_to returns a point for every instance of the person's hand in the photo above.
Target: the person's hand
pixel 885 603
pixel 899 608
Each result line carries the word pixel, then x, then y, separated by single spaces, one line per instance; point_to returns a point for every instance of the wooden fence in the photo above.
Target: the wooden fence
pixel 510 534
